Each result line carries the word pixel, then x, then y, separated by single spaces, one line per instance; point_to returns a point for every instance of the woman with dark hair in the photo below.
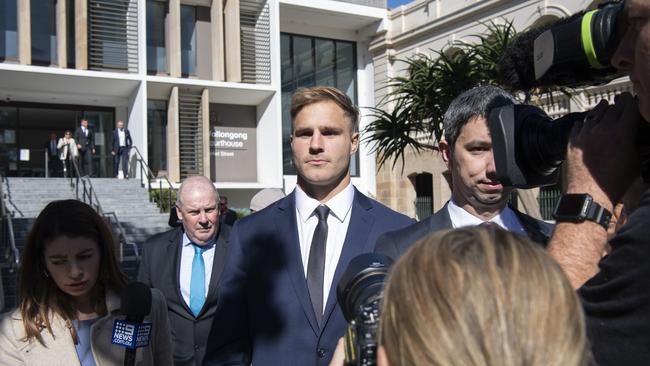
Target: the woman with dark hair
pixel 69 286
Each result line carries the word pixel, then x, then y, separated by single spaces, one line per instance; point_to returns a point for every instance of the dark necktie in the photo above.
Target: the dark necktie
pixel 316 264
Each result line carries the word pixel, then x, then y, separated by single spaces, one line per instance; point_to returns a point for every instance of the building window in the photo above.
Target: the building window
pixel 43 15
pixel 310 61
pixel 156 53
pixel 188 40
pixel 423 184
pixel 157 135
pixel 8 30
pixel 70 32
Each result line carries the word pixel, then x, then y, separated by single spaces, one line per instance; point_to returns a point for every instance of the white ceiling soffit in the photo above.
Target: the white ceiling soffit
pixel 40 84
pixel 330 14
pixel 219 92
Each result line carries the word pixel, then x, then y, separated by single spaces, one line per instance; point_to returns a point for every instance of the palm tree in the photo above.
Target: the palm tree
pixel 416 102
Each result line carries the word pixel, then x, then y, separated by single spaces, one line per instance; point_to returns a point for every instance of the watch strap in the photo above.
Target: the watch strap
pixel 598 214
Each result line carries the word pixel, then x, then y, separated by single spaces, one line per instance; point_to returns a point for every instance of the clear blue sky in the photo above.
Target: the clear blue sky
pixel 396 3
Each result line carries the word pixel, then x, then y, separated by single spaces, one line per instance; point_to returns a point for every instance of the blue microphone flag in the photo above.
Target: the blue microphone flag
pixel 131 335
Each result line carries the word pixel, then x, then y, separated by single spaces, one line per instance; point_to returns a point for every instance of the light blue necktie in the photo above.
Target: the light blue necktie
pixel 197 281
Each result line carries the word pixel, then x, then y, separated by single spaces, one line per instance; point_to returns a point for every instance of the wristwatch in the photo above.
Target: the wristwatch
pixel 578 207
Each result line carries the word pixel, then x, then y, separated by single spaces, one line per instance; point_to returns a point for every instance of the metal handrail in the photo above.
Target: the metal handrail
pixel 122 234
pixel 6 215
pixel 145 171
pixel 88 195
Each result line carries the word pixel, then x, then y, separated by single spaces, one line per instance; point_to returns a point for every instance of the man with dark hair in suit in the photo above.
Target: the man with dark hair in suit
pixel 277 303
pixel 121 147
pixel 226 216
pixel 476 194
pixel 185 263
pixel 85 139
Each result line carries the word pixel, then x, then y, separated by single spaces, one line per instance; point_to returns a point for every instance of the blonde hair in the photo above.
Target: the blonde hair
pixel 481 296
pixel 307 96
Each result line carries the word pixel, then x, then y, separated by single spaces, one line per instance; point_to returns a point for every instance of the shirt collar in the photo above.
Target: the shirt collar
pixel 187 241
pixel 339 205
pixel 506 219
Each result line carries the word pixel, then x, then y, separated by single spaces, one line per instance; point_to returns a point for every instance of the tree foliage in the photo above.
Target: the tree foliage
pixel 416 102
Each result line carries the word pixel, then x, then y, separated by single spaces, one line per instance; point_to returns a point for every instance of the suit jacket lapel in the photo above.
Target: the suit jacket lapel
pixel 285 222
pixel 174 253
pixel 532 228
pixel 220 253
pixel 356 243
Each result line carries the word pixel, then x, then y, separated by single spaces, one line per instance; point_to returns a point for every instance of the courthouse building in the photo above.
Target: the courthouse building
pixel 202 85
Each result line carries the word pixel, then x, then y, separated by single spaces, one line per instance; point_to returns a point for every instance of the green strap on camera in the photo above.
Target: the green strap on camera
pixel 587 41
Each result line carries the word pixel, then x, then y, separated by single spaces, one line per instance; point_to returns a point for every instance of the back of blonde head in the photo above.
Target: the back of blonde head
pixel 481 296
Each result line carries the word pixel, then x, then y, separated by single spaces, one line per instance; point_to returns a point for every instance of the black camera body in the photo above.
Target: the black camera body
pixel 360 292
pixel 529 146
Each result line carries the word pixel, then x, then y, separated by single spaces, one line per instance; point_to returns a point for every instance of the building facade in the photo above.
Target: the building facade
pixel 202 85
pixel 420 186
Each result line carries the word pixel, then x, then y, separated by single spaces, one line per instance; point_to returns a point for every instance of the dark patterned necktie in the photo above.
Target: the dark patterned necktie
pixel 316 264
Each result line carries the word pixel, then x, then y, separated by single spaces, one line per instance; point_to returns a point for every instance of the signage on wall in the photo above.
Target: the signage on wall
pixel 233 154
pixel 233 143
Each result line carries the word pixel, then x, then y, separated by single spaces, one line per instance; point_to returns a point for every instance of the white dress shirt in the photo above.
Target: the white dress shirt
pixel 507 219
pixel 338 221
pixel 122 136
pixel 187 255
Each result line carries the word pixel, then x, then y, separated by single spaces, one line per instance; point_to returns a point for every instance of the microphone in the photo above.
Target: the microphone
pixel 574 51
pixel 132 333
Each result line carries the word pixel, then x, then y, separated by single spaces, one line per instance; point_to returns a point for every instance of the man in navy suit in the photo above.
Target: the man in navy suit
pixel 121 147
pixel 277 303
pixel 476 194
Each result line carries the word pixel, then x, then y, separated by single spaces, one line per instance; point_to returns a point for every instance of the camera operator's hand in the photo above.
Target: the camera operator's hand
pixel 602 157
pixel 602 160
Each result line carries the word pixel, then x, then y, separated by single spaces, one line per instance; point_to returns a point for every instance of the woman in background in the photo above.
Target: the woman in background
pixel 67 152
pixel 480 296
pixel 68 291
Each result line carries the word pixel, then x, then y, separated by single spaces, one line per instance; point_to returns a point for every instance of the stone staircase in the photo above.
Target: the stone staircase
pixel 138 217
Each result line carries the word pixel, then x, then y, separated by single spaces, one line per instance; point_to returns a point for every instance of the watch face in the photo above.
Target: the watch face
pixel 572 207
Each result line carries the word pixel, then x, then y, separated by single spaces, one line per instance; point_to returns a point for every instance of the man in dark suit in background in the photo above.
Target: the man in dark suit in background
pixel 476 194
pixel 121 147
pixel 277 303
pixel 185 263
pixel 53 161
pixel 85 139
pixel 226 216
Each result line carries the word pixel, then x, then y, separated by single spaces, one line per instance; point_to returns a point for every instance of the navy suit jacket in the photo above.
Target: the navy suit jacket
pixel 395 243
pixel 265 315
pixel 116 140
pixel 159 268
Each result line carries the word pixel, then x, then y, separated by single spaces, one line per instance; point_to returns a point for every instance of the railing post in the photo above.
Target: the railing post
pixel 47 163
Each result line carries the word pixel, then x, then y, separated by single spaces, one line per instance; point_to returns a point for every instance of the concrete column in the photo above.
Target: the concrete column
pixel 24 32
pixel 81 34
pixel 233 41
pixel 216 29
pixel 173 145
pixel 174 38
pixel 528 202
pixel 61 34
pixel 205 119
